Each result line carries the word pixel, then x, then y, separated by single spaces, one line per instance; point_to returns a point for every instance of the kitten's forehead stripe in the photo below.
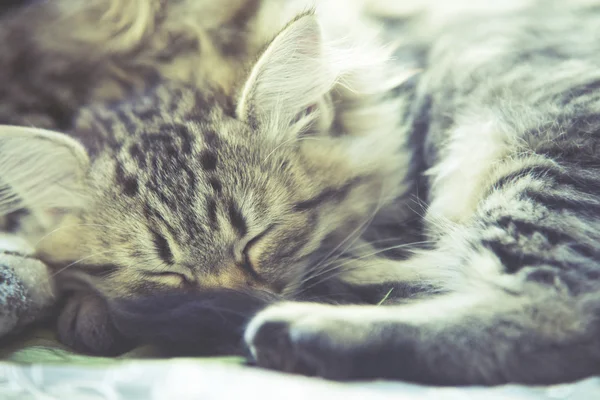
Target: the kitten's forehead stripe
pixel 162 246
pixel 208 159
pixel 211 209
pixel 130 186
pixel 158 190
pixel 237 219
pixel 245 13
pixel 156 141
pixel 215 184
pixel 211 138
pixel 128 182
pixel 192 180
pixel 186 137
pixel 137 155
pixel 152 215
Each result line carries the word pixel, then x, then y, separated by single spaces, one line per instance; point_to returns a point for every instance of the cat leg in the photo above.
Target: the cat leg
pixel 537 335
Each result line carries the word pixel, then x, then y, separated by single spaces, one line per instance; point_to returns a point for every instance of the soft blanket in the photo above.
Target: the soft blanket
pixel 66 376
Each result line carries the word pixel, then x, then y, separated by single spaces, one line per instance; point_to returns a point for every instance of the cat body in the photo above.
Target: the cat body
pixel 511 148
pixel 269 183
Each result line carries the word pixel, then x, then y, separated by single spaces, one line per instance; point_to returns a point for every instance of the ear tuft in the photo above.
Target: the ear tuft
pixel 290 76
pixel 40 170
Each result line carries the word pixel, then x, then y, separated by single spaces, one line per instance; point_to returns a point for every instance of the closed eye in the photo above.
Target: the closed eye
pixel 249 264
pixel 169 278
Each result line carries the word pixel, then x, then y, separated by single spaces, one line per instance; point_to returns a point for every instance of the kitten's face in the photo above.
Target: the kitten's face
pixel 179 192
pixel 190 197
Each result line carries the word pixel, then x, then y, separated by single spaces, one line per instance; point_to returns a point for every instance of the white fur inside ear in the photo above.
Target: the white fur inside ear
pixel 290 76
pixel 40 170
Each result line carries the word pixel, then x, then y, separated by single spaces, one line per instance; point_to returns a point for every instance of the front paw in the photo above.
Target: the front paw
pixel 309 339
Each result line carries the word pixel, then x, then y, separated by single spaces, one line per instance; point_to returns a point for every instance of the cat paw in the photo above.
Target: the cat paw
pixel 304 338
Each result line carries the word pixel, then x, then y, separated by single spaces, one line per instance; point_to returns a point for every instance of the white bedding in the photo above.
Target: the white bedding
pixel 186 379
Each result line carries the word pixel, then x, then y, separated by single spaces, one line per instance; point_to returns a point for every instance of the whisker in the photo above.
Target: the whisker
pixel 325 261
pixel 78 261
pixel 390 239
pixel 364 225
pixel 362 228
pixel 350 260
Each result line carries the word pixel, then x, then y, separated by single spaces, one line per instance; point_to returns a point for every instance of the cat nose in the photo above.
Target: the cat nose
pixel 232 277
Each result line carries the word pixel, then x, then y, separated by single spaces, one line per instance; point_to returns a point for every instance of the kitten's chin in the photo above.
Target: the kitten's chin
pixel 85 325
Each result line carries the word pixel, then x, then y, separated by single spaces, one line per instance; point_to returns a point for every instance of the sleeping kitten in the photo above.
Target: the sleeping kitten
pixel 174 191
pixel 57 56
pixel 181 186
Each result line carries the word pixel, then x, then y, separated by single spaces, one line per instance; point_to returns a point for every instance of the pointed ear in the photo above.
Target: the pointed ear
pixel 290 76
pixel 40 170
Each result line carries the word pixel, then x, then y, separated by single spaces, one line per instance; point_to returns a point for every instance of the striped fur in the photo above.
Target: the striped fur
pixel 192 185
pixel 58 55
pixel 267 180
pixel 513 172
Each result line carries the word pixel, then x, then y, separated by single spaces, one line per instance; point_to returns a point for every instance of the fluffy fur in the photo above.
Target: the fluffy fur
pixel 58 55
pixel 270 185
pixel 511 149
pixel 180 185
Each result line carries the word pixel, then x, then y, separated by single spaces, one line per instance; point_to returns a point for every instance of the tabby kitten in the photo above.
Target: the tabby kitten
pixel 57 56
pixel 182 187
pixel 316 144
